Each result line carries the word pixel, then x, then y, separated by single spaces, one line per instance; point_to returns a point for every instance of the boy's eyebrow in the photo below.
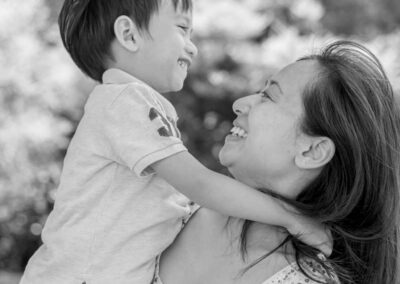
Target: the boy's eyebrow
pixel 271 82
pixel 185 18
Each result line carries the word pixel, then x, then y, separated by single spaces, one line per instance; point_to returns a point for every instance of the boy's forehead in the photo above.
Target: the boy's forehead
pixel 180 6
pixel 177 11
pixel 184 15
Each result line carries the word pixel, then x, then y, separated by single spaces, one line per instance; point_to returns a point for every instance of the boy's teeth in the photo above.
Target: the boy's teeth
pixel 182 63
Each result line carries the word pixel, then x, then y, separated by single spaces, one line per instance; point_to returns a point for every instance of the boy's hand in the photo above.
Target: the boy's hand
pixel 313 233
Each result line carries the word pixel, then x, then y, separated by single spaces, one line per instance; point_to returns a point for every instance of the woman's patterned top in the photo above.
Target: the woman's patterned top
pixel 291 274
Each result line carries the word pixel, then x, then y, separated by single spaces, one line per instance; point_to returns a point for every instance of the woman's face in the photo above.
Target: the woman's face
pixel 262 155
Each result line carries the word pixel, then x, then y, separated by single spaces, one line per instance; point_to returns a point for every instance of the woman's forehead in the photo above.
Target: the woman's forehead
pixel 297 75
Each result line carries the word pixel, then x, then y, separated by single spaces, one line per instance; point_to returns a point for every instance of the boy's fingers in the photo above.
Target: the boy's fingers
pixel 327 247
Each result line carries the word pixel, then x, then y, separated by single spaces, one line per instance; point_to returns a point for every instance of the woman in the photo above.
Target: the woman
pixel 323 135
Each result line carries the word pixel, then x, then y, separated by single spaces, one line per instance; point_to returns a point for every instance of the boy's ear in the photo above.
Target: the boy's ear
pixel 126 33
pixel 314 152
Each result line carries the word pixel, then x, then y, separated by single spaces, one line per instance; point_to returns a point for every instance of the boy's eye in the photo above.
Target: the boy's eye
pixel 184 28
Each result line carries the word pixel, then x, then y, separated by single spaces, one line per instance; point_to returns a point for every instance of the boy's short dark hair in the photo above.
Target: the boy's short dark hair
pixel 87 28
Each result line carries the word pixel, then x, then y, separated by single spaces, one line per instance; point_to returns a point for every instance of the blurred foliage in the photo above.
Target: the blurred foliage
pixel 240 44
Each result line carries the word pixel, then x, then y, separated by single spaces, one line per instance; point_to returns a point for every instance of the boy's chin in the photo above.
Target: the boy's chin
pixel 172 87
pixel 176 87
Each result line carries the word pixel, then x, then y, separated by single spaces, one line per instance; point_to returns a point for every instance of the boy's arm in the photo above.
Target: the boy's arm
pixel 232 198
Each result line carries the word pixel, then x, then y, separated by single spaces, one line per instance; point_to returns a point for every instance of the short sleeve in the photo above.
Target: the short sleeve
pixel 139 130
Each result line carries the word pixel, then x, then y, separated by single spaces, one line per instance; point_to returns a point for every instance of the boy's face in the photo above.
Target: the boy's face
pixel 167 51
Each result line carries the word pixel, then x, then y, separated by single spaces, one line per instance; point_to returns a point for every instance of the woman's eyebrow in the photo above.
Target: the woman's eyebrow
pixel 271 82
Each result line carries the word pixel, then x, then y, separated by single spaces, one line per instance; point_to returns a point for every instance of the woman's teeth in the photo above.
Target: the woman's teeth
pixel 239 132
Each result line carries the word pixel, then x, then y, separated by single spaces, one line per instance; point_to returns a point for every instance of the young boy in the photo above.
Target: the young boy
pixel 119 202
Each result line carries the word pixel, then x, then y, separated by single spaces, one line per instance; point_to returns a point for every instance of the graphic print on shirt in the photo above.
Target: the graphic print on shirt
pixel 166 126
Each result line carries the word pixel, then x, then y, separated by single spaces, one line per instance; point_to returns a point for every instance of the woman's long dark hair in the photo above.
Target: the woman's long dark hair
pixel 357 193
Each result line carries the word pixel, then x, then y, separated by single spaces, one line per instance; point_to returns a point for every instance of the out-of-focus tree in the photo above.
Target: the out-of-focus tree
pixel 241 43
pixel 363 18
pixel 39 107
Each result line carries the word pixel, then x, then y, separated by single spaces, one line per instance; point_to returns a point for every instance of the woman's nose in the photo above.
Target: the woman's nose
pixel 243 105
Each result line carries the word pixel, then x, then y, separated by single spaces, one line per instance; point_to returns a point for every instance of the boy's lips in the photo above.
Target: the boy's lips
pixel 184 62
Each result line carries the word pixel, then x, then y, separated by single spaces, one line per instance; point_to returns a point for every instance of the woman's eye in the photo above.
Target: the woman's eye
pixel 264 94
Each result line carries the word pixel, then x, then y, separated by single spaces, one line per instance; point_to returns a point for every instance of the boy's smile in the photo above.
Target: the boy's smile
pixel 167 51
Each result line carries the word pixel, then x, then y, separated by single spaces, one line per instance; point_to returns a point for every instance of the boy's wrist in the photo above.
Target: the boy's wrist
pixel 290 219
pixel 293 226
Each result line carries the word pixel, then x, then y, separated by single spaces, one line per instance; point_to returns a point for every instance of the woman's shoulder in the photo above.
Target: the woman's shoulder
pixel 201 234
pixel 205 222
pixel 193 251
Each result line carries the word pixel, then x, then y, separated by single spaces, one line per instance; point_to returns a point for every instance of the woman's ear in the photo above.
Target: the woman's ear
pixel 126 33
pixel 314 152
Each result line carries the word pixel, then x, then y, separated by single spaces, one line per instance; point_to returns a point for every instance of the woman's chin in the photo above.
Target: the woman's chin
pixel 223 156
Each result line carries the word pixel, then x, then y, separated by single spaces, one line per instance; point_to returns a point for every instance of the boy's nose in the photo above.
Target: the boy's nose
pixel 191 49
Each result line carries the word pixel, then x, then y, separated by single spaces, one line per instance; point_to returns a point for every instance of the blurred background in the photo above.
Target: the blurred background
pixel 241 43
